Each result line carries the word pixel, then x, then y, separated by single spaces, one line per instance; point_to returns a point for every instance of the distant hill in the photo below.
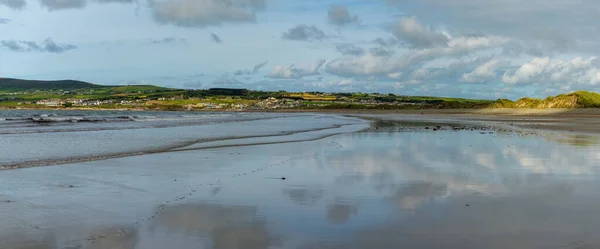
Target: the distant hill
pixel 579 99
pixel 19 84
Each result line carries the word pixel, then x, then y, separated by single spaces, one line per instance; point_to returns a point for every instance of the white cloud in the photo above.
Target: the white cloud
pixel 555 25
pixel 396 75
pixel 415 35
pixel 294 72
pixel 377 66
pixel 576 72
pixel 482 73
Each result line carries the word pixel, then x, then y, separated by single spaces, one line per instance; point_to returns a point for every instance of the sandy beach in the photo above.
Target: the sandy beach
pixel 301 180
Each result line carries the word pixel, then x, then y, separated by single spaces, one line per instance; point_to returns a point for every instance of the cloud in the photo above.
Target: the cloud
pixel 204 13
pixel 349 49
pixel 115 1
pixel 386 42
pixel 168 40
pixel 259 66
pixel 293 72
pixel 13 4
pixel 381 51
pixel 485 72
pixel 250 72
pixel 379 67
pixel 338 15
pixel 227 80
pixel 564 24
pixel 414 35
pixel 4 21
pixel 47 45
pixel 216 38
pixel 304 33
pixel 63 4
pixel 578 72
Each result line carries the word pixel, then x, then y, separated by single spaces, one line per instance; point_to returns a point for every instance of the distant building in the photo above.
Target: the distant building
pixel 50 102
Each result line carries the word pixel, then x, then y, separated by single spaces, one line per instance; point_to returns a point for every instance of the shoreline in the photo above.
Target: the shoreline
pixel 582 120
pixel 487 111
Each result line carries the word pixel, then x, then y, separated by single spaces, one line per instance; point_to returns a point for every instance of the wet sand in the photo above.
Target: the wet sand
pixel 401 183
pixel 561 123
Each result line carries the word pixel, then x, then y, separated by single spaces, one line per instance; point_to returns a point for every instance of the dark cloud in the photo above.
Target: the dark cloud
pixel 349 49
pixel 4 21
pixel 204 13
pixel 259 66
pixel 168 40
pixel 250 72
pixel 381 51
pixel 13 4
pixel 63 4
pixel 47 45
pixel 339 15
pixel 115 1
pixel 215 38
pixel 12 45
pixel 413 34
pixel 304 33
pixel 52 47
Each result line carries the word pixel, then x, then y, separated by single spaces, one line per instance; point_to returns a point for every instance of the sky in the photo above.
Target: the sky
pixel 461 48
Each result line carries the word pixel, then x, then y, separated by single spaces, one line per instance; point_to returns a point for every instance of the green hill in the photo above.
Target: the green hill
pixel 579 99
pixel 8 84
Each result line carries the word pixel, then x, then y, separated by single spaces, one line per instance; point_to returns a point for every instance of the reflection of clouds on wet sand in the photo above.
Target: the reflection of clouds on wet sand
pixel 412 195
pixel 339 213
pixel 386 190
pixel 104 238
pixel 304 195
pixel 114 238
pixel 228 227
pixel 497 192
pixel 478 163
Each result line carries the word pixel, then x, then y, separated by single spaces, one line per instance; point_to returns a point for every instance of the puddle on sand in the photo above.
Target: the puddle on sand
pixel 381 189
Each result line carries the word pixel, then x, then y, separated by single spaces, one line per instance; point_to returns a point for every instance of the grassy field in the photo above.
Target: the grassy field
pixel 16 93
pixel 579 99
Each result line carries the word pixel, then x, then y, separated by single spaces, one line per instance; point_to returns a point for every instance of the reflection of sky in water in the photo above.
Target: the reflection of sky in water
pixel 385 190
pixel 393 190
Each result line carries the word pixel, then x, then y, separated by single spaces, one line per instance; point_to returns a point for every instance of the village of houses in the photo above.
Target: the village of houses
pixel 269 103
